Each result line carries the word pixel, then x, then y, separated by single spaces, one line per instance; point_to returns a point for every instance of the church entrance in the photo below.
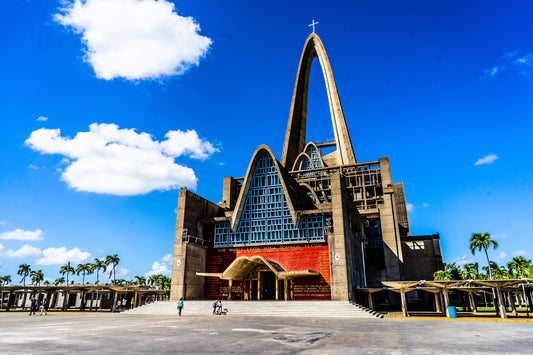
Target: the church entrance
pixel 262 284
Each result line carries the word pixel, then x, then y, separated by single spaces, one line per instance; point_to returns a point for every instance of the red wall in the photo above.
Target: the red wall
pixel 313 257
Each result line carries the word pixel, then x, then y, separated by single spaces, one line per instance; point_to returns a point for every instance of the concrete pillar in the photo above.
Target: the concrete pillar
pixel 371 301
pixel 404 303
pixel 512 302
pixel 286 288
pixel 114 306
pixel 472 301
pixel 500 303
pixel 230 282
pixel 438 307
pixel 277 282
pixel 446 301
pixel 92 300
pixel 65 298
pixel 134 305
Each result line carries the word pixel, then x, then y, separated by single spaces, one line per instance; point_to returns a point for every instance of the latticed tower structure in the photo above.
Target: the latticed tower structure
pixel 305 227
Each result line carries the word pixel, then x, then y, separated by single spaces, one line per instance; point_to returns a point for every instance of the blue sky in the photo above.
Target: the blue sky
pixel 109 107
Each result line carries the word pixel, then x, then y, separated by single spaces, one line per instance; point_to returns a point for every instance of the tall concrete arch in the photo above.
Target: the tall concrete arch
pixel 295 138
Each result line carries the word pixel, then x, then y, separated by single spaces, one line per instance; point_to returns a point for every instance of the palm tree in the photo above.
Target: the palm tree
pixel 24 271
pixel 4 280
pixel 153 279
pixel 470 271
pixel 482 241
pixel 98 265
pixel 46 282
pixel 67 269
pixel 37 277
pixel 59 280
pixel 112 259
pixel 140 280
pixel 83 269
pixel 519 266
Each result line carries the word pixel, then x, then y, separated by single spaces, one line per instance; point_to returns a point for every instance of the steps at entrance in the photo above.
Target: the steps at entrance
pixel 337 309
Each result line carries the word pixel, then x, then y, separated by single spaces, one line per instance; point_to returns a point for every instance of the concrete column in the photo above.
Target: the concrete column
pixel 286 288
pixel 472 301
pixel 65 298
pixel 114 306
pixel 512 302
pixel 370 301
pixel 500 303
pixel 446 301
pixel 92 300
pixel 404 303
pixel 277 282
pixel 134 305
pixel 438 307
pixel 230 282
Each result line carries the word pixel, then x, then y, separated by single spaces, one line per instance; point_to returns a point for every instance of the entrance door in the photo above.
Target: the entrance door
pixel 253 290
pixel 269 285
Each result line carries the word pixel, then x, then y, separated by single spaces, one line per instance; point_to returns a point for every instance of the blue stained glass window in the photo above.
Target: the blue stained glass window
pixel 315 157
pixel 266 217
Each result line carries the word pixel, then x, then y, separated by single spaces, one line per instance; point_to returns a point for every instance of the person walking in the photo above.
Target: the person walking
pixel 215 307
pixel 219 307
pixel 180 306
pixel 33 305
pixel 42 307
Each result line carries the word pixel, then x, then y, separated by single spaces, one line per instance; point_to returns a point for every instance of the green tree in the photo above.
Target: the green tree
pixel 453 270
pixel 140 280
pixel 153 279
pixel 59 280
pixel 46 282
pixel 24 271
pixel 83 269
pixel 470 271
pixel 112 260
pixel 442 275
pixel 67 269
pixel 37 277
pixel 5 280
pixel 482 241
pixel 98 265
pixel 519 267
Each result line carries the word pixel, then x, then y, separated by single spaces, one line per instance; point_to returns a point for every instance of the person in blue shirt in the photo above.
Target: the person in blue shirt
pixel 180 306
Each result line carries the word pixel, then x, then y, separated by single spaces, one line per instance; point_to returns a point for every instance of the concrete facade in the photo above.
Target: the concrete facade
pixel 349 215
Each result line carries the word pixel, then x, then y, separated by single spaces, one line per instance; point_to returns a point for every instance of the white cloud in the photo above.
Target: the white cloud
pixel 167 258
pixel 19 234
pixel 122 162
pixel 31 166
pixel 159 268
pixel 23 252
pixel 2 223
pixel 520 253
pixel 42 119
pixel 492 72
pixel 410 207
pixel 501 258
pixel 58 256
pixel 120 272
pixel 487 159
pixel 425 204
pixel 135 39
pixel 465 259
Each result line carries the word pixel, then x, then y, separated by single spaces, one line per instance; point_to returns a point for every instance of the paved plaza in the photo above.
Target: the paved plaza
pixel 75 333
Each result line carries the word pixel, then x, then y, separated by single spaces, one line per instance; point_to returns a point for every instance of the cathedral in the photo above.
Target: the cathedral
pixel 306 227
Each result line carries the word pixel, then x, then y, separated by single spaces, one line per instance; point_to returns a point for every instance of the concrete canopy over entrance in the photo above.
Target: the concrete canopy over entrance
pixel 243 266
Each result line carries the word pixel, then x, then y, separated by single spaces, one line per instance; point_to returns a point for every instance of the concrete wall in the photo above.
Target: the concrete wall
pixel 193 215
pixel 422 257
